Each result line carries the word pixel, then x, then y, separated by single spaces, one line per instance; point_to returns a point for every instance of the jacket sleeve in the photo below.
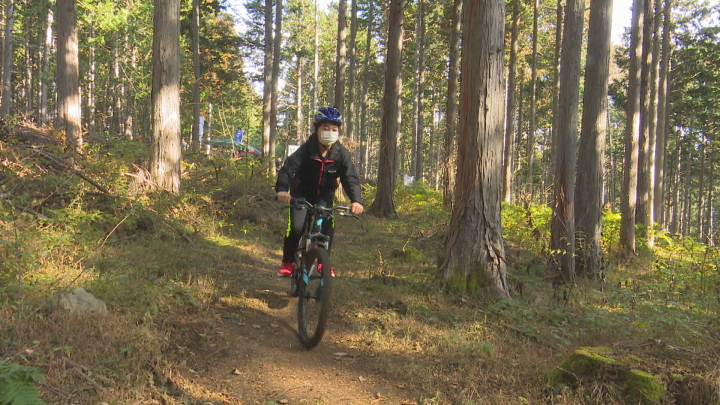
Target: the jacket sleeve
pixel 350 179
pixel 289 169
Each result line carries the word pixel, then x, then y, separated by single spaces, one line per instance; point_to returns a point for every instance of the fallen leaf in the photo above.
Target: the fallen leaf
pixel 274 325
pixel 362 379
pixel 236 371
pixel 256 326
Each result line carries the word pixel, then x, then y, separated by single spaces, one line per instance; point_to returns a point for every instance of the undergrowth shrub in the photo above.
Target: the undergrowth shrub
pixel 17 384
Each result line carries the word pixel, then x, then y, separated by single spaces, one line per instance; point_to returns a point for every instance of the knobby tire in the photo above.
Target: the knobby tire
pixel 314 299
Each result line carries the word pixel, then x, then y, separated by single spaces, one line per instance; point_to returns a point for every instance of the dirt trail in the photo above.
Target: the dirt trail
pixel 253 356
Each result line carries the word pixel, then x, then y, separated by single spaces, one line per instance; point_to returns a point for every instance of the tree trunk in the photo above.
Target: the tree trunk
pixel 267 87
pixel 68 82
pixel 687 208
pixel 643 199
pixel 632 133
pixel 556 86
pixel 709 228
pixel 517 146
pixel 448 164
pixel 45 71
pixel 384 204
pixel 511 98
pixel 588 189
pixel 474 261
pixel 166 155
pixel 117 89
pixel 91 89
pixel 28 100
pixel 6 98
pixel 131 102
pixel 533 97
pixel 300 132
pixel 653 116
pixel 675 194
pixel 662 124
pixel 275 81
pixel 316 70
pixel 563 220
pixel 195 141
pixel 364 133
pixel 418 100
pixel 701 192
pixel 350 114
pixel 341 56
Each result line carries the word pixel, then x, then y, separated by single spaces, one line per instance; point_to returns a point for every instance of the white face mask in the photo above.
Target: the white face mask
pixel 328 138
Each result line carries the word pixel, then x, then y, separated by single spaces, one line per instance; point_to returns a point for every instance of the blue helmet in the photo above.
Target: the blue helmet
pixel 330 114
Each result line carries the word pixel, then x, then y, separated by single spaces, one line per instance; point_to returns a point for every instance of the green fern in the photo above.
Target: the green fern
pixel 16 385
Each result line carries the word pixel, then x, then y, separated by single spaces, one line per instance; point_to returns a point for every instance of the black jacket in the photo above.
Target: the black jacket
pixel 308 175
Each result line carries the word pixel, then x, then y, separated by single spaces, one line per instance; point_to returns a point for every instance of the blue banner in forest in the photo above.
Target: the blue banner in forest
pixel 239 135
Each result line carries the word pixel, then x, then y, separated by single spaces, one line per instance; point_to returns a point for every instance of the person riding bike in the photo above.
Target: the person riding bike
pixel 312 173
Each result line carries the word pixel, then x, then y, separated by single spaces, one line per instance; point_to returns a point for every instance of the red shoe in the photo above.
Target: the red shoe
pixel 286 269
pixel 332 270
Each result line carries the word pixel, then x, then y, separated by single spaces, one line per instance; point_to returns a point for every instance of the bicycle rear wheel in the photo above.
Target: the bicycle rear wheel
pixel 314 300
pixel 296 278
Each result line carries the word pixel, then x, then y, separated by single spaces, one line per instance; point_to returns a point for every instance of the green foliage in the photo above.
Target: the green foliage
pixel 16 384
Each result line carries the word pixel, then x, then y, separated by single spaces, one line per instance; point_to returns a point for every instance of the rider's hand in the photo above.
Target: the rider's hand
pixel 284 197
pixel 356 208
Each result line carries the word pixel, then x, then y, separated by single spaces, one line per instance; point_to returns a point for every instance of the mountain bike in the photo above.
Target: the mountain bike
pixel 311 280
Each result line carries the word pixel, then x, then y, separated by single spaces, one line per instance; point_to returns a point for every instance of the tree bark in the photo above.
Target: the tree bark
pixel 556 86
pixel 448 164
pixel 533 97
pixel 350 114
pixel 6 98
pixel 511 100
pixel 644 212
pixel 563 220
pixel 90 89
pixel 632 133
pixel 418 99
pixel 709 223
pixel 166 156
pixel 267 87
pixel 195 141
pixel 384 204
pixel 588 189
pixel 341 56
pixel 45 71
pixel 300 131
pixel 364 133
pixel 316 70
pixel 275 81
pixel 701 191
pixel 68 73
pixel 474 261
pixel 662 124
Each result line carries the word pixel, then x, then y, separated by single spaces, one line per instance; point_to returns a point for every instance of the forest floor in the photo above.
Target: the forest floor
pixel 226 354
pixel 198 316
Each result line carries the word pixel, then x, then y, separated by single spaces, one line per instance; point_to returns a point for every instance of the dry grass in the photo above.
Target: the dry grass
pixel 174 270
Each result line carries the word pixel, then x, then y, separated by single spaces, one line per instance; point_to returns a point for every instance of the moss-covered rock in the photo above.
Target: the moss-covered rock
pixel 584 362
pixel 594 364
pixel 644 388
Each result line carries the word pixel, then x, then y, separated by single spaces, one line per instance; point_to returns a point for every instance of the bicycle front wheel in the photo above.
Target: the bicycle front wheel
pixel 314 300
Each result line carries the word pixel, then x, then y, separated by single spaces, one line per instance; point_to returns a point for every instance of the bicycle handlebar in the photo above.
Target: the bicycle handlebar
pixel 303 203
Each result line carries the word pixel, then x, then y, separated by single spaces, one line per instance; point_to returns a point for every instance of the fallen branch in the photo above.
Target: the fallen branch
pixel 81 370
pixel 71 168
